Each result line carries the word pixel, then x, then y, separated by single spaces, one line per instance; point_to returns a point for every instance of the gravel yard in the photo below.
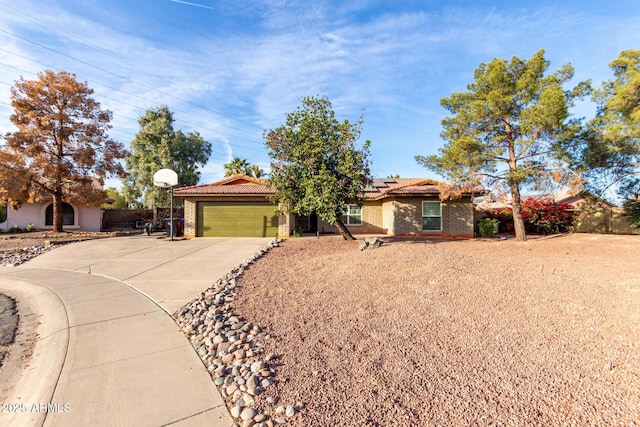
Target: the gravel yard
pixel 440 332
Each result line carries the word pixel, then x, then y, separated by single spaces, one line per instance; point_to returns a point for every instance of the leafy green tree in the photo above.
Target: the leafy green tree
pixel 608 152
pixel 61 149
pixel 119 201
pixel 157 146
pixel 315 164
pixel 505 130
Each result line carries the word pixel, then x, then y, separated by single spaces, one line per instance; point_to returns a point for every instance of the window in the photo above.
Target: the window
pixel 68 215
pixel 352 215
pixel 431 216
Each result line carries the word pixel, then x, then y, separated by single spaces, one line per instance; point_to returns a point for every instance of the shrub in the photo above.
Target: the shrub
pixel 540 217
pixel 15 229
pixel 488 227
pixel 632 210
pixel 29 228
pixel 505 219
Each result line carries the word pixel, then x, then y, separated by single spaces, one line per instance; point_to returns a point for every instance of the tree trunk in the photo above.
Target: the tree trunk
pixel 344 231
pixel 516 208
pixel 57 211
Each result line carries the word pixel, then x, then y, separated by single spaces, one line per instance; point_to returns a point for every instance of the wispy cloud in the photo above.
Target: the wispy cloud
pixel 239 71
pixel 192 4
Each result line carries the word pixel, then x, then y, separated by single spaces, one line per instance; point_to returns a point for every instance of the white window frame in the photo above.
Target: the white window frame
pixel 425 202
pixel 347 215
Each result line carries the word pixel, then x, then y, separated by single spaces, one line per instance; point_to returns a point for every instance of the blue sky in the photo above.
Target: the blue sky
pixel 232 69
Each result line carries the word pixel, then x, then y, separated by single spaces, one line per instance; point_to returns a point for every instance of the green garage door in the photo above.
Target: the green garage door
pixel 236 219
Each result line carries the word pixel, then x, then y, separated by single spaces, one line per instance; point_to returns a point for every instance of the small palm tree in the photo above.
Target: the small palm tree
pixel 256 172
pixel 237 166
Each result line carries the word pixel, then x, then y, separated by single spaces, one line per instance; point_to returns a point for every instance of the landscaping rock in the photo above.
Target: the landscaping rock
pixel 370 243
pixel 18 256
pixel 248 414
pixel 232 348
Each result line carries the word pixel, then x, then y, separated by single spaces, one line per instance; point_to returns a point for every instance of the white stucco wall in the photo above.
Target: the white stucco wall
pixel 86 218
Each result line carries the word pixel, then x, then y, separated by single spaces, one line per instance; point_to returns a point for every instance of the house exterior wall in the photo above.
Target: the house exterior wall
pixel 27 214
pixel 407 216
pixel 190 217
pixel 285 224
pixel 457 217
pixel 388 208
pixel 325 227
pixel 394 216
pixel 372 221
pixel 402 216
pixel 86 218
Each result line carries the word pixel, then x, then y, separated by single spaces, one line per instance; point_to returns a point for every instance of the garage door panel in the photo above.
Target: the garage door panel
pixel 236 219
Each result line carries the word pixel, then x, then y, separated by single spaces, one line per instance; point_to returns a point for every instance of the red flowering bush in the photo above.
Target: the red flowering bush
pixel 540 217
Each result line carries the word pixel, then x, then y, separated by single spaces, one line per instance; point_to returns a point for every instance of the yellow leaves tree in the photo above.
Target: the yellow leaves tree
pixel 60 150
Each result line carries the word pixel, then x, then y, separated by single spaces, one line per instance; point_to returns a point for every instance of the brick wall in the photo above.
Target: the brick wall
pixel 407 215
pixel 372 221
pixel 285 224
pixel 457 218
pixel 189 217
pixel 402 216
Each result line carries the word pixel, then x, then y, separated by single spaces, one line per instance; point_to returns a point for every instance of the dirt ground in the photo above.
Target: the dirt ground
pixel 441 332
pixel 8 325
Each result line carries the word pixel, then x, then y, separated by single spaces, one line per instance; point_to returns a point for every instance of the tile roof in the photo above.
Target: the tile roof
pixel 237 184
pixel 225 189
pixel 378 188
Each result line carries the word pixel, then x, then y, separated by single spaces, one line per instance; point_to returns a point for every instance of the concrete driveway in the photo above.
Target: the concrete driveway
pixel 170 273
pixel 107 352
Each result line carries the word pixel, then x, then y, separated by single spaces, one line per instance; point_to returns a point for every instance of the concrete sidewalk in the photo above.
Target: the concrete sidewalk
pixel 107 352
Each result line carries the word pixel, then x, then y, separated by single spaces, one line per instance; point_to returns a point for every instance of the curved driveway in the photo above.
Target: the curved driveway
pixel 108 353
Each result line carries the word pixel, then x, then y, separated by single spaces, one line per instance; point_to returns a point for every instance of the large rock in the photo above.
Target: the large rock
pixel 370 243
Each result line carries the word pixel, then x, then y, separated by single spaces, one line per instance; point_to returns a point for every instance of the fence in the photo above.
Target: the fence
pixel 604 221
pixel 130 219
pixel 599 221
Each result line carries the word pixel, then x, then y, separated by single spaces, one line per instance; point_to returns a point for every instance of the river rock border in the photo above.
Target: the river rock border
pixel 234 350
pixel 15 257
